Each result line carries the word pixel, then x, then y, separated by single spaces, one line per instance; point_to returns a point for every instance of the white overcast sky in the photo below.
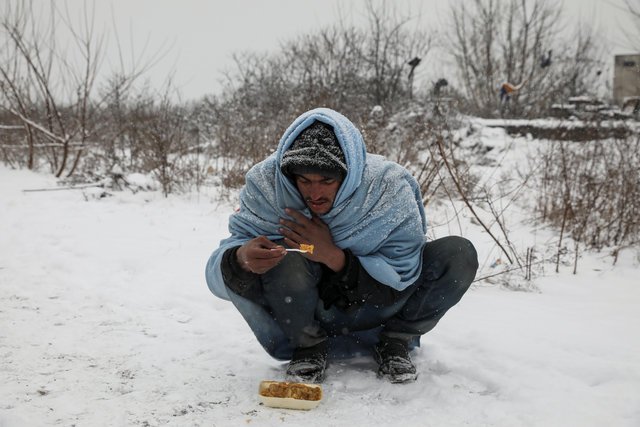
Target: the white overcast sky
pixel 200 36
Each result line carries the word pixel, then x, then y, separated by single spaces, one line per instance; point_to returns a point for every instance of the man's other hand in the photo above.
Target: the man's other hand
pixel 260 255
pixel 315 232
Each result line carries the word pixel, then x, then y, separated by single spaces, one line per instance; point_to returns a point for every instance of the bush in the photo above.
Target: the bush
pixel 591 191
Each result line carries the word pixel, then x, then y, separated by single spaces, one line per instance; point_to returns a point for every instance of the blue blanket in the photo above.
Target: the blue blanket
pixel 377 214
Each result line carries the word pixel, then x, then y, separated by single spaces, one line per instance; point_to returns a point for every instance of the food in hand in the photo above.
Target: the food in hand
pixel 306 248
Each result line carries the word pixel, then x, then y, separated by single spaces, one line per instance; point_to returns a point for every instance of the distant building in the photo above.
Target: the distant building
pixel 626 78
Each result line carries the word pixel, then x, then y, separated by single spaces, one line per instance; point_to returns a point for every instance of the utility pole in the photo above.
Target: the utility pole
pixel 413 64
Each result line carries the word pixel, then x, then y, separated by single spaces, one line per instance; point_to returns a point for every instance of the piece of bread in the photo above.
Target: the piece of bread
pixel 290 395
pixel 306 248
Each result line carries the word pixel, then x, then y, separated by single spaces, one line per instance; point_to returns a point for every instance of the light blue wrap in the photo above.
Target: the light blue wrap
pixel 377 214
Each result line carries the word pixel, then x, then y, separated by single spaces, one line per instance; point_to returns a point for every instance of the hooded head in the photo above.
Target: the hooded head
pixel 316 164
pixel 351 154
pixel 315 150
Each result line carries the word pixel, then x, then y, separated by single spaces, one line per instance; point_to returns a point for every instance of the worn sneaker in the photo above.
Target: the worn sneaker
pixel 394 362
pixel 308 364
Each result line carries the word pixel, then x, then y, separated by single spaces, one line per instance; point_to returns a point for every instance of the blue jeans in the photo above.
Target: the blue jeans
pixel 292 315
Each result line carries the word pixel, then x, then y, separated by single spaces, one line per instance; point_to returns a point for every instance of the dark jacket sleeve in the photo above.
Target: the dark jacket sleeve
pixel 238 280
pixel 353 286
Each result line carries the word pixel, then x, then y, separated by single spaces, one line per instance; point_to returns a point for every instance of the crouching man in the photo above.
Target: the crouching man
pixel 371 283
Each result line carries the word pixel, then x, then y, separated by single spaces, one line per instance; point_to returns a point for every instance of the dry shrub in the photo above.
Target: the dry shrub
pixel 591 191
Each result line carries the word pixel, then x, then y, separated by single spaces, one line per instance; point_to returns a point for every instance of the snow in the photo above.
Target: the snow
pixel 106 320
pixel 555 123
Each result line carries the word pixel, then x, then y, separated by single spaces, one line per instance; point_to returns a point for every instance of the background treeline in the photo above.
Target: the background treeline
pixel 58 112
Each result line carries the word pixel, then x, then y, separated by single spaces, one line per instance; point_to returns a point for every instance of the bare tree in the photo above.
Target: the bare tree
pixel 347 68
pixel 519 42
pixel 51 92
pixel 165 140
pixel 359 67
pixel 46 91
pixel 390 46
pixel 590 191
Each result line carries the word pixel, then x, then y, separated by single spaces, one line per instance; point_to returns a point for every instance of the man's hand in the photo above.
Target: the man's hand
pixel 259 255
pixel 312 231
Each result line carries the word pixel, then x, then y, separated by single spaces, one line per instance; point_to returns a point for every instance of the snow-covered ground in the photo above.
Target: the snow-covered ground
pixel 106 320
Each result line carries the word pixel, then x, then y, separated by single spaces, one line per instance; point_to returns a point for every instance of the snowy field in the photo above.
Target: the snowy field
pixel 106 320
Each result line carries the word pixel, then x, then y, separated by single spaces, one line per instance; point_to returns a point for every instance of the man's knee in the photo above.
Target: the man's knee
pixel 458 249
pixel 467 252
pixel 294 272
pixel 452 254
pixel 466 259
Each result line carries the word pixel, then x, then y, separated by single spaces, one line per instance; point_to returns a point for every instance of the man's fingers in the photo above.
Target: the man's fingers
pixel 263 244
pixel 292 235
pixel 264 253
pixel 260 264
pixel 266 243
pixel 297 216
pixel 319 222
pixel 260 254
pixel 299 223
pixel 294 226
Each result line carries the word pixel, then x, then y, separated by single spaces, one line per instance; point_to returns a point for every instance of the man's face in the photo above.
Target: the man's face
pixel 318 191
